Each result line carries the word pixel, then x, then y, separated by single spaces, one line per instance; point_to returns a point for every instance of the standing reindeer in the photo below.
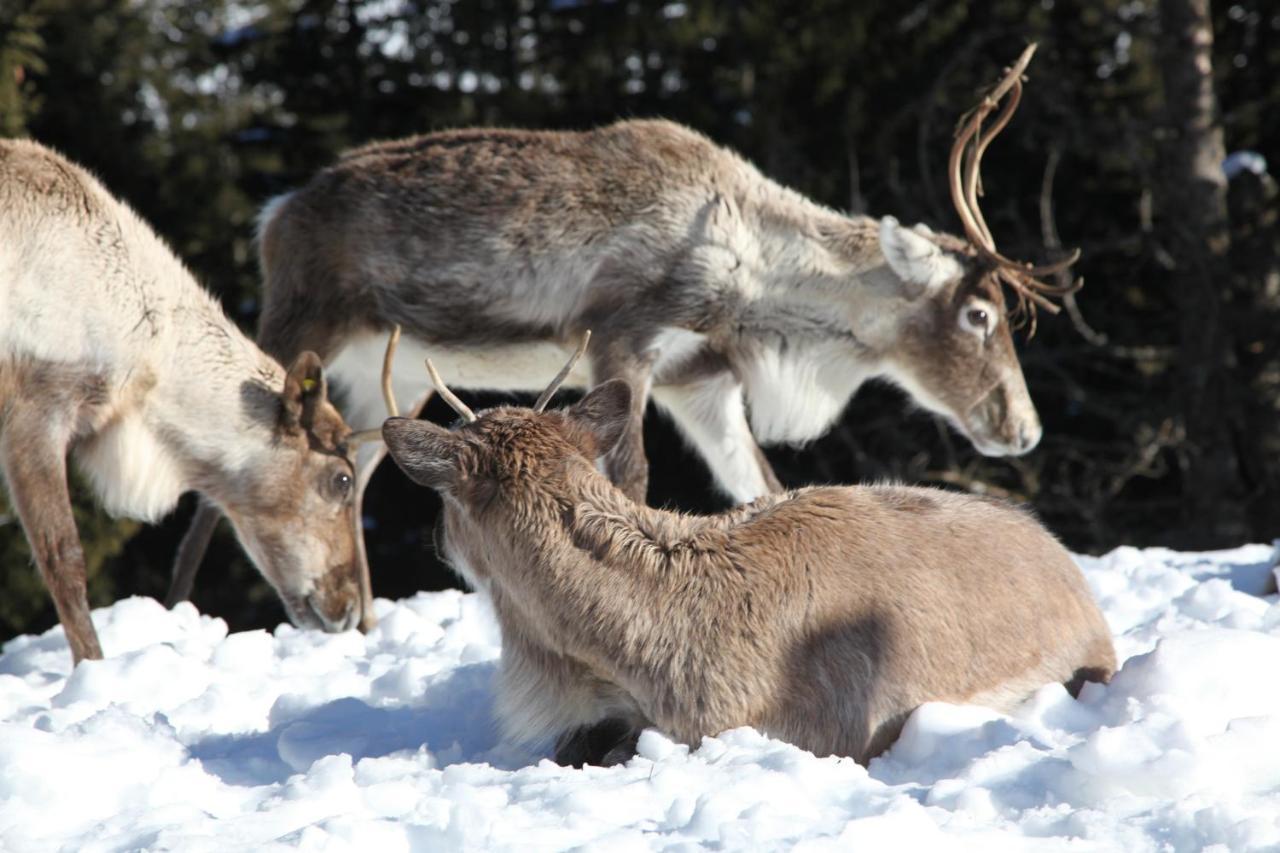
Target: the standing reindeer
pixel 822 616
pixel 745 310
pixel 111 352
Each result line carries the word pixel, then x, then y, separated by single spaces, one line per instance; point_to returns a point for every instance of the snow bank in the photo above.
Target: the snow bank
pixel 188 738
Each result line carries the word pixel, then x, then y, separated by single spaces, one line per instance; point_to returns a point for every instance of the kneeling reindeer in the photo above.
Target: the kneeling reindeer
pixel 822 616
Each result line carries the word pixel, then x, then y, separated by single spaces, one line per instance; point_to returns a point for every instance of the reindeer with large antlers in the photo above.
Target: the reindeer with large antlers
pixel 963 171
pixel 822 616
pixel 110 352
pixel 746 311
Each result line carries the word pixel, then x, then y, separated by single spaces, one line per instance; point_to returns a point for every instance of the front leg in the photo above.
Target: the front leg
pixel 626 465
pixel 602 744
pixel 710 412
pixel 543 694
pixel 34 457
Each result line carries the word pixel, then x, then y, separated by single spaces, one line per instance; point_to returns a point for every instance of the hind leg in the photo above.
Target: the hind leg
pixel 33 451
pixel 626 465
pixel 191 550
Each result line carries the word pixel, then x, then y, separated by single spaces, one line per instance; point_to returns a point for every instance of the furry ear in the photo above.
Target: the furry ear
pixel 304 391
pixel 605 411
pixel 921 263
pixel 427 453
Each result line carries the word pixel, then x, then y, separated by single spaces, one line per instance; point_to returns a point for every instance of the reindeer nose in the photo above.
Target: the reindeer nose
pixel 348 620
pixel 1029 436
pixel 352 619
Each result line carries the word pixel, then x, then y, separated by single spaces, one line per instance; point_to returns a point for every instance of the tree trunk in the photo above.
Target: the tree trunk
pixel 1195 229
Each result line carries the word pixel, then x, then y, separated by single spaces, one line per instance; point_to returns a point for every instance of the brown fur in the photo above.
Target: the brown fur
pixel 822 616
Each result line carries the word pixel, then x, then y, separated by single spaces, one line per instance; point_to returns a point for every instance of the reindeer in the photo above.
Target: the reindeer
pixel 746 311
pixel 821 616
pixel 110 352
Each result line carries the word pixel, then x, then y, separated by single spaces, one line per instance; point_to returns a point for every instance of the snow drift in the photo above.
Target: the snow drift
pixel 188 738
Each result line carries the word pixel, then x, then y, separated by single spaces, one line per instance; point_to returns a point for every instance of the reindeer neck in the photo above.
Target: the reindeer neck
pixel 580 567
pixel 808 252
pixel 219 396
pixel 592 569
pixel 819 309
pixel 593 519
pixel 810 274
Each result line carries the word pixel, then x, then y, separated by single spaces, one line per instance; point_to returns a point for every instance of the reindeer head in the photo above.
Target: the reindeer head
pixel 293 511
pixel 488 468
pixel 956 355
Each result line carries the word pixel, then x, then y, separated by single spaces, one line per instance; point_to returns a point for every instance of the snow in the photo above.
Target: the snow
pixel 188 738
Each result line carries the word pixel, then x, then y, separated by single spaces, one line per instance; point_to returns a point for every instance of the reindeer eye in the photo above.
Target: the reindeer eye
pixel 341 485
pixel 978 318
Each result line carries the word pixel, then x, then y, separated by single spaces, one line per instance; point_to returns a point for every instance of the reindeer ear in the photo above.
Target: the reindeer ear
pixel 921 263
pixel 427 453
pixel 304 391
pixel 605 411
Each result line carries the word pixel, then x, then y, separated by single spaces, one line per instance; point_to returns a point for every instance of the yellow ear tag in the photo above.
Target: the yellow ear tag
pixel 308 385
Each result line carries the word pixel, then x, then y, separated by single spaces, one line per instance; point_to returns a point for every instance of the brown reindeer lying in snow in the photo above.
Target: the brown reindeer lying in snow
pixel 822 616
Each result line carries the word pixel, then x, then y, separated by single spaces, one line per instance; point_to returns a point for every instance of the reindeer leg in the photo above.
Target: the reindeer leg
pixel 626 465
pixel 190 552
pixel 602 744
pixel 623 748
pixel 35 466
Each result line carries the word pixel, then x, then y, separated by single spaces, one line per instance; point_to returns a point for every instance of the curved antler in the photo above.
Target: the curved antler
pixel 463 410
pixel 963 168
pixel 388 395
pixel 545 396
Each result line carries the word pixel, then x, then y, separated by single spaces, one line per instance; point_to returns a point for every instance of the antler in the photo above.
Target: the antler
pixel 545 396
pixel 963 172
pixel 366 435
pixel 448 396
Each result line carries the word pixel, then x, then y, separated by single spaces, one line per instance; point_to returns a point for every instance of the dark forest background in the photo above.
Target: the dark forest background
pixel 1159 389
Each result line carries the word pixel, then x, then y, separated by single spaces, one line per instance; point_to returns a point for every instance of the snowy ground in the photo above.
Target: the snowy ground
pixel 189 739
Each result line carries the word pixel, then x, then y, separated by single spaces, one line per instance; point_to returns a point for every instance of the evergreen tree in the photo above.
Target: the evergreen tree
pixel 196 114
pixel 21 54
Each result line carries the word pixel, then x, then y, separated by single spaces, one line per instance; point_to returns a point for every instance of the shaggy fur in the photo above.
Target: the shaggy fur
pixel 822 616
pixel 111 352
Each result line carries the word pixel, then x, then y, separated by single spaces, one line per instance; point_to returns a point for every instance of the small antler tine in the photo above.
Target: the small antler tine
pixel 1030 289
pixel 1019 67
pixel 545 396
pixel 387 394
pixel 463 410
